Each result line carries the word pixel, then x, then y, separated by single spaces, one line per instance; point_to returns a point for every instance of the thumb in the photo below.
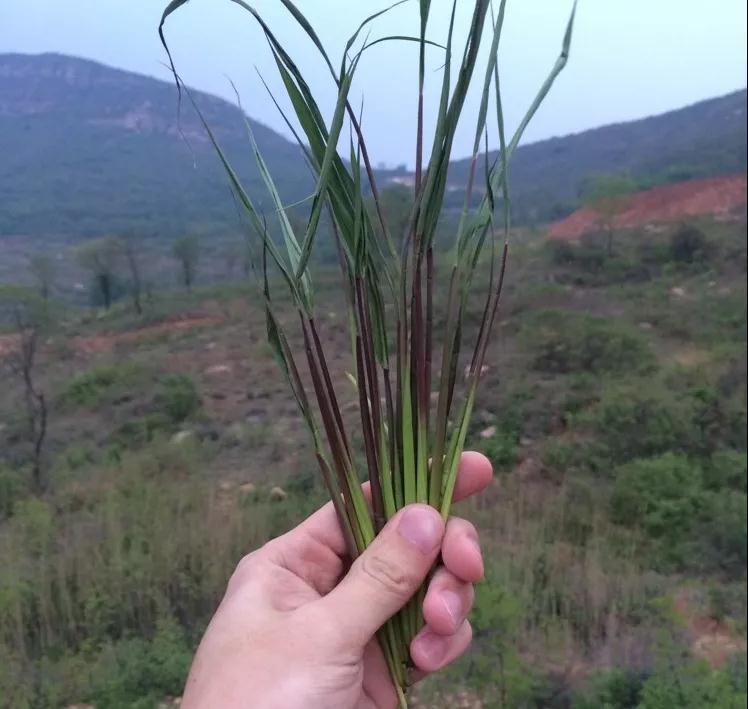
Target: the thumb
pixel 386 574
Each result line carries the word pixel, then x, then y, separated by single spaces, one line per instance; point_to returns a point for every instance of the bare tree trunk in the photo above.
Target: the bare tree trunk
pixel 105 286
pixel 136 288
pixel 36 404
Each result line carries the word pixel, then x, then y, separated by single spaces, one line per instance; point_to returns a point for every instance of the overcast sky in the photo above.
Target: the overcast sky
pixel 630 58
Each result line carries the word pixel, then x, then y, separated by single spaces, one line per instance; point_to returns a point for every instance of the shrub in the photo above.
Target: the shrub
pixel 588 256
pixel 662 496
pixel 90 388
pixel 78 456
pixel 721 532
pixel 617 689
pixel 11 489
pixel 136 673
pixel 694 685
pixel 690 526
pixel 687 244
pixel 727 469
pixel 178 397
pixel 635 421
pixel 140 431
pixel 16 688
pixel 565 342
pixel 560 456
pixel 501 450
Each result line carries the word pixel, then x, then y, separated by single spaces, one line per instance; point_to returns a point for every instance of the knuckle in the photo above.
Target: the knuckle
pixel 387 575
pixel 463 527
pixel 244 570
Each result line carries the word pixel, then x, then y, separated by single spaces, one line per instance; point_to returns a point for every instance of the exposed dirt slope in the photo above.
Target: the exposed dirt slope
pixel 717 196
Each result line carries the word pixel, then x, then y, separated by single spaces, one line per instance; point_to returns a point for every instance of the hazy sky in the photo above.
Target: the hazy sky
pixel 630 58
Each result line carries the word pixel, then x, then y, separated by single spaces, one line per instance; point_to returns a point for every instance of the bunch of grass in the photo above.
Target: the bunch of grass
pixel 411 452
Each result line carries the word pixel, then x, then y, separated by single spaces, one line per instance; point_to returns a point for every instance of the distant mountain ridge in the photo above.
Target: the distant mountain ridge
pixel 87 149
pixel 705 139
pixel 90 149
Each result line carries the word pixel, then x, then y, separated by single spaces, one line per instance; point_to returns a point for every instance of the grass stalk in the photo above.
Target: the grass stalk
pixel 411 456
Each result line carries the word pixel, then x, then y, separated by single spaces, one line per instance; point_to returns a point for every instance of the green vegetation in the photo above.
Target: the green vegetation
pixel 387 285
pixel 607 196
pixel 620 452
pixel 145 182
pixel 692 685
pixel 565 342
pixel 186 251
pixel 178 397
pixel 99 257
pixel 102 384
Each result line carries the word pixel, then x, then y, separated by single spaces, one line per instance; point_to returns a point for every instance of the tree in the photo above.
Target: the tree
pixel 30 317
pixel 687 244
pixel 130 249
pixel 43 270
pixel 607 196
pixel 187 251
pixel 100 257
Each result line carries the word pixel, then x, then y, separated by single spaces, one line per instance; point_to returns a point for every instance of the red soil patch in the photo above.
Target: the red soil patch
pixel 107 342
pixel 711 639
pixel 95 344
pixel 718 196
pixel 8 345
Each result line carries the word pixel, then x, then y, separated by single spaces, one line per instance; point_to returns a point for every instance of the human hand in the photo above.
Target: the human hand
pixel 296 627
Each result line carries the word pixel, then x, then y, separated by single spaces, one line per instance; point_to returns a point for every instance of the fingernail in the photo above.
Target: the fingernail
pixel 479 555
pixel 422 527
pixel 433 647
pixel 453 603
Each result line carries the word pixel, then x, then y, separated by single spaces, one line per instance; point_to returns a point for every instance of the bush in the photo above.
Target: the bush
pixel 501 450
pixel 687 685
pixel 687 244
pixel 644 418
pixel 617 689
pixel 695 685
pixel 16 687
pixel 721 532
pixel 11 489
pixel 560 456
pixel 691 526
pixel 139 432
pixel 589 255
pixel 90 388
pixel 178 397
pixel 727 469
pixel 635 421
pixel 564 342
pixel 662 496
pixel 137 673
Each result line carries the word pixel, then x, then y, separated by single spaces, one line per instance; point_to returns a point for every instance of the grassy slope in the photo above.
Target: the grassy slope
pixel 594 561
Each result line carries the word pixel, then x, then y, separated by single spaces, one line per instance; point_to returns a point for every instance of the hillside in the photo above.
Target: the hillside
pixel 89 149
pixel 613 408
pixel 717 196
pixel 702 140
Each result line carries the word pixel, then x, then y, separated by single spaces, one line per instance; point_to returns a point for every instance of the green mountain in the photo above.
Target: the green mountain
pixel 86 149
pixel 703 140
